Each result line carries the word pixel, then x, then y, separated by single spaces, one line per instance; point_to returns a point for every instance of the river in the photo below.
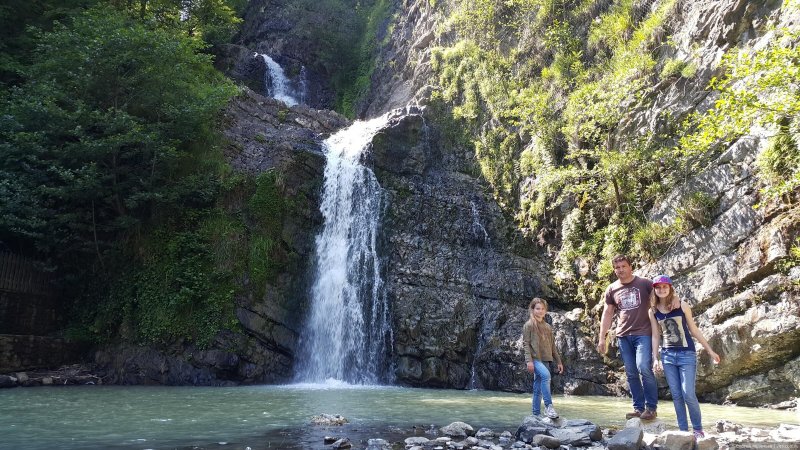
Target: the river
pixel 260 417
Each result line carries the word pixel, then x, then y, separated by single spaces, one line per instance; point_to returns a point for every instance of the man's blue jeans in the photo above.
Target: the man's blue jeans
pixel 637 355
pixel 680 369
pixel 541 386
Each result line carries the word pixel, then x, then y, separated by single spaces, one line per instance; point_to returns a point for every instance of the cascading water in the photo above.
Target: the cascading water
pixel 347 332
pixel 281 86
pixel 303 84
pixel 478 230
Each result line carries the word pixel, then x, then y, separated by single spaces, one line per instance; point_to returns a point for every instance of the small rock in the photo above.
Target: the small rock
pixel 484 433
pixel 378 444
pixel 788 432
pixel 342 443
pixel 543 440
pixel 443 439
pixel 676 440
pixel 416 440
pixel 707 443
pixel 651 426
pixel 626 439
pixel 47 381
pixel 7 381
pixel 328 440
pixel 458 429
pixel 726 425
pixel 788 404
pixel 472 440
pixel 21 377
pixel 328 419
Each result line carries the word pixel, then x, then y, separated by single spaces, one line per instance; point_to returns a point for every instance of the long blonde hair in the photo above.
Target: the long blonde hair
pixel 667 300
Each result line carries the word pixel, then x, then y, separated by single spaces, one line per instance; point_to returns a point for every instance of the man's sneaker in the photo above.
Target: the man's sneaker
pixel 635 413
pixel 551 412
pixel 648 414
pixel 698 434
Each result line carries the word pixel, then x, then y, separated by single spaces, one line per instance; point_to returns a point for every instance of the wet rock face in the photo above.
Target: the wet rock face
pixel 405 67
pixel 458 295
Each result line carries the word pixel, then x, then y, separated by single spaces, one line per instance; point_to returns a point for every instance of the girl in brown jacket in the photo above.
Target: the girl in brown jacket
pixel 540 354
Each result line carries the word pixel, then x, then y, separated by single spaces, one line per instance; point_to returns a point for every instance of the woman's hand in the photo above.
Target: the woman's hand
pixel 657 367
pixel 560 368
pixel 714 357
pixel 530 366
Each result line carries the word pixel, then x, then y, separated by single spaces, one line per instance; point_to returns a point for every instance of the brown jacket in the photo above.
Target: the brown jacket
pixel 542 349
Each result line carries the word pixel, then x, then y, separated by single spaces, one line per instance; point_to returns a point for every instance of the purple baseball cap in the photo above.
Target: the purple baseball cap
pixel 662 279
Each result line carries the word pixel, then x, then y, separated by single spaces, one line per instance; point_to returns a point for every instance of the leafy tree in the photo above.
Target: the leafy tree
pixel 16 16
pixel 111 123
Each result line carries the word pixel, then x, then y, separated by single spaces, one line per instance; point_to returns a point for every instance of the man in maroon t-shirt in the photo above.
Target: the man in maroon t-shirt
pixel 630 296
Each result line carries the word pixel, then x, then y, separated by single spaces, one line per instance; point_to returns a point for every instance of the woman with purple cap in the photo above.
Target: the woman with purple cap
pixel 673 330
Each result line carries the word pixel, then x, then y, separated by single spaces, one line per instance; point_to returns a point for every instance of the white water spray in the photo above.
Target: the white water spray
pixel 281 86
pixel 347 333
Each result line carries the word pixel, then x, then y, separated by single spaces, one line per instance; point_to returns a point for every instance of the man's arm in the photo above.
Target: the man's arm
pixel 605 325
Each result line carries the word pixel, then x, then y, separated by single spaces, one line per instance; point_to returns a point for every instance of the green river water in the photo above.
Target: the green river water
pixel 260 417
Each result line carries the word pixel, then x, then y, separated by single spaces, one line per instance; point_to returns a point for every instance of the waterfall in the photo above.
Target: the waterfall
pixel 347 333
pixel 281 86
pixel 303 84
pixel 478 230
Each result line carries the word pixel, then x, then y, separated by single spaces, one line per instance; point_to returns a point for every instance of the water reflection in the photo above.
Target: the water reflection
pixel 258 417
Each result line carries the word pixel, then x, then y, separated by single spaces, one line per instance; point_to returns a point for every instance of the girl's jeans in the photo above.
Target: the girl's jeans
pixel 541 385
pixel 680 369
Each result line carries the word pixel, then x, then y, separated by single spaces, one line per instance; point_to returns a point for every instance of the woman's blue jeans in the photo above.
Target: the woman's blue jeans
pixel 541 385
pixel 637 355
pixel 680 369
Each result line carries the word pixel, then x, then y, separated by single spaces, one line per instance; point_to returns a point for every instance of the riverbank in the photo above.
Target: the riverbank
pixel 543 433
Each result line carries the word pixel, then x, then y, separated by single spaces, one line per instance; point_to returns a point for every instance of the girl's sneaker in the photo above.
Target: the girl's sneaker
pixel 550 412
pixel 699 434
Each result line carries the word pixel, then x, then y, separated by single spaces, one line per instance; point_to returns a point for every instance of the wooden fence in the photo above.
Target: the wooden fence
pixel 20 275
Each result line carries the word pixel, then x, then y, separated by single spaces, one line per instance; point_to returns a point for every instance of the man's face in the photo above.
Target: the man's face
pixel 623 270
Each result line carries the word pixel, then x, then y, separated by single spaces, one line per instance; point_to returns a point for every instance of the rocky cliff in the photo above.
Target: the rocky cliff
pixel 458 290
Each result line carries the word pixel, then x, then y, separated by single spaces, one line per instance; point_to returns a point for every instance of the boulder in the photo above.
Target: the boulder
pixel 676 440
pixel 571 436
pixel 629 438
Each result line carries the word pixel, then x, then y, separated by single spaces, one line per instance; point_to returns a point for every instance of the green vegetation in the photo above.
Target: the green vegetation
pixel 544 86
pixel 110 165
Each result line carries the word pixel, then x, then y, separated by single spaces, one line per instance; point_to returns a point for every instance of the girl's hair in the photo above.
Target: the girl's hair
pixel 536 301
pixel 654 299
pixel 535 323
